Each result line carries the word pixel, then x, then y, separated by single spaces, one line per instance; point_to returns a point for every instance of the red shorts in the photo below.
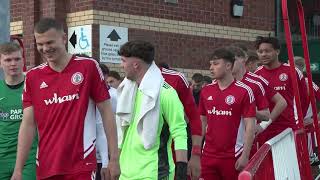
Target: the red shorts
pixel 90 175
pixel 218 169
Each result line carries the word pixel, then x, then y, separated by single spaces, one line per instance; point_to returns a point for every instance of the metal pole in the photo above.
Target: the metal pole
pixel 303 158
pixel 279 34
pixel 4 24
pixel 309 74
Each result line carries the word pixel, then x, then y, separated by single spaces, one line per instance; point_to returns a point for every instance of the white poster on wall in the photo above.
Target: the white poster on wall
pixel 80 40
pixel 111 39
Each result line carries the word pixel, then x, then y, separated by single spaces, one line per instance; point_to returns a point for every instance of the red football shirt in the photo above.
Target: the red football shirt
pixel 64 111
pixel 281 81
pixel 270 92
pixel 315 90
pixel 181 85
pixel 258 91
pixel 224 110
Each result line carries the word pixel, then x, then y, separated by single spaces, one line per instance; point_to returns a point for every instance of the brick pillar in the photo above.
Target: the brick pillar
pixel 55 9
pixel 29 17
pixel 61 12
pixel 47 8
pixel 95 41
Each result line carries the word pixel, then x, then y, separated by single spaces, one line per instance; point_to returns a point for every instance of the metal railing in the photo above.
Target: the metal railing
pixel 284 155
pixel 278 159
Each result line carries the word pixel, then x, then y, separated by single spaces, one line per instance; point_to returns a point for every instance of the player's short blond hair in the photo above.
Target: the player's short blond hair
pixel 9 47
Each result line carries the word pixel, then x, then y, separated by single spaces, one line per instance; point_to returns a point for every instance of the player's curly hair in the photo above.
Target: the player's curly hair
pixel 269 40
pixel 139 49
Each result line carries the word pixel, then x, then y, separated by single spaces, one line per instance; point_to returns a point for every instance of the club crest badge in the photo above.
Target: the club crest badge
pixel 283 77
pixel 230 100
pixel 77 78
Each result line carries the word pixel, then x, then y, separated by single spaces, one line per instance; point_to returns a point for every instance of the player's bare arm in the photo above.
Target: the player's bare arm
pixel 194 167
pixel 109 125
pixel 280 105
pixel 248 140
pixel 263 115
pixel 26 134
pixel 204 124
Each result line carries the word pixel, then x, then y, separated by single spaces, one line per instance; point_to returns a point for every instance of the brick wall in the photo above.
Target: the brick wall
pixel 80 5
pixel 16 10
pixel 179 50
pixel 184 33
pixel 54 8
pixel 258 14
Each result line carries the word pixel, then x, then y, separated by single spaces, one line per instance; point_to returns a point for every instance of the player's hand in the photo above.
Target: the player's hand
pixel 194 167
pixel 114 169
pixel 16 175
pixel 105 174
pixel 241 162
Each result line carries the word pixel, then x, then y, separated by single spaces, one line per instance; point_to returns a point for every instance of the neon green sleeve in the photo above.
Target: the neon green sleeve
pixel 173 113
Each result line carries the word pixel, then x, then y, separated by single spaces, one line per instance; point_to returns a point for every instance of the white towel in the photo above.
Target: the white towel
pixel 148 118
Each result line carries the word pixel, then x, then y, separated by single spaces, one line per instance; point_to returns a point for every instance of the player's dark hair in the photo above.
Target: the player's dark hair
pixel 207 79
pixel 104 68
pixel 252 57
pixel 223 53
pixel 163 65
pixel 115 74
pixel 269 40
pixel 197 77
pixel 139 49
